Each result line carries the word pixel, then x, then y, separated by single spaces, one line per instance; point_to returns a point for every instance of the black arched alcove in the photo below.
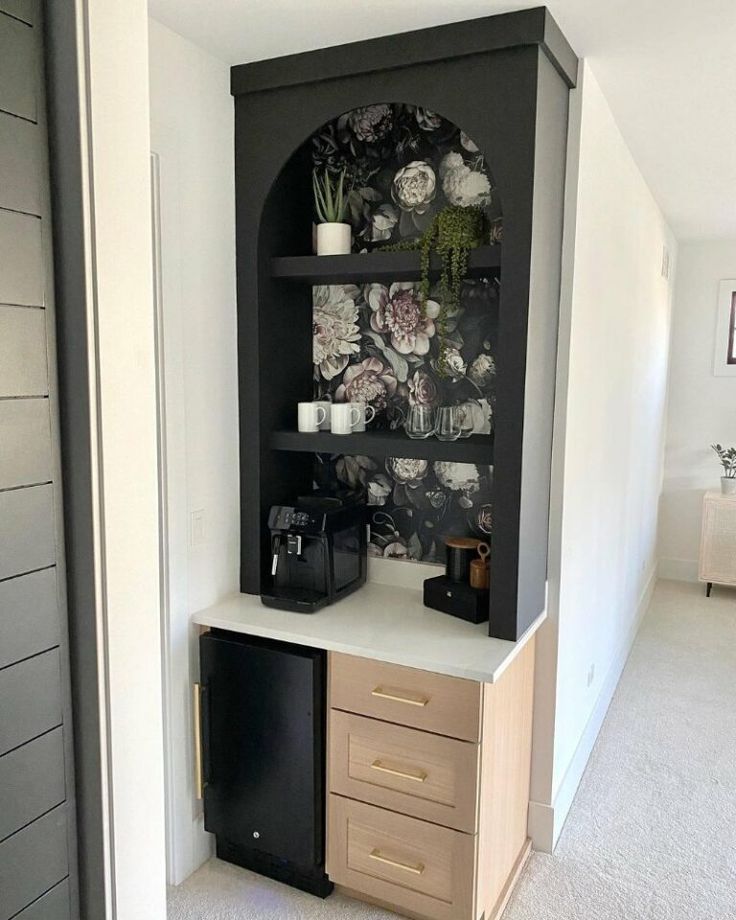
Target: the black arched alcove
pixel 508 92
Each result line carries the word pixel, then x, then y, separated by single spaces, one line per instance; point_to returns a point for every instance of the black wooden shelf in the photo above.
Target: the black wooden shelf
pixel 376 266
pixel 478 448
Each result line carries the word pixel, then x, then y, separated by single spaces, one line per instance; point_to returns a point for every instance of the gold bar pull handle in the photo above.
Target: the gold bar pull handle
pixel 198 768
pixel 394 863
pixel 397 696
pixel 419 776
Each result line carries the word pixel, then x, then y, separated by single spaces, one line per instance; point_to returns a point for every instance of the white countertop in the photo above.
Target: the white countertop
pixel 378 621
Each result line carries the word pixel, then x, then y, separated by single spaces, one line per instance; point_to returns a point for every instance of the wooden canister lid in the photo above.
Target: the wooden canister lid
pixel 463 542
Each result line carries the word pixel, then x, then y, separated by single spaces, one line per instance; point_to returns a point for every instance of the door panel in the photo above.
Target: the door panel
pixel 27 538
pixel 54 905
pixel 32 861
pixel 25 443
pixel 30 699
pixel 20 169
pixel 21 254
pixel 29 619
pixel 18 68
pixel 23 363
pixel 263 763
pixel 31 781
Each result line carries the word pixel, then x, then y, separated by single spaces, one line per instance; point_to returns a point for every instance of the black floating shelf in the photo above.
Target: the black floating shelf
pixel 376 266
pixel 478 448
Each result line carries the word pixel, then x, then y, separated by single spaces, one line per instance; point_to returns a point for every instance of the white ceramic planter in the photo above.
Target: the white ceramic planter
pixel 333 239
pixel 728 485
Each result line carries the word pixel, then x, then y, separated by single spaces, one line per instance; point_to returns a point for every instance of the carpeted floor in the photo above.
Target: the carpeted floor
pixel 652 832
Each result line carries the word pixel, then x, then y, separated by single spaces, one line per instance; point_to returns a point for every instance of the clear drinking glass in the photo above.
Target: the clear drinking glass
pixel 467 422
pixel 448 423
pixel 419 421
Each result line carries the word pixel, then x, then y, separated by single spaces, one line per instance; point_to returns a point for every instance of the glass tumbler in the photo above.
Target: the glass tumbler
pixel 467 421
pixel 448 424
pixel 419 421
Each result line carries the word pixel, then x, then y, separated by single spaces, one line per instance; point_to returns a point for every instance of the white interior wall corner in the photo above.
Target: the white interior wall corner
pixel 608 452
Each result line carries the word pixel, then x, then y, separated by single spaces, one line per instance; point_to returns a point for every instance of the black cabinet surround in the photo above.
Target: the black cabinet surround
pixel 505 80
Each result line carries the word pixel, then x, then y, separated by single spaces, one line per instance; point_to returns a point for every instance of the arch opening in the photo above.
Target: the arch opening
pixel 378 343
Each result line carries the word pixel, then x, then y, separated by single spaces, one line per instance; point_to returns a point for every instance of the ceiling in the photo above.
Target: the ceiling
pixel 667 68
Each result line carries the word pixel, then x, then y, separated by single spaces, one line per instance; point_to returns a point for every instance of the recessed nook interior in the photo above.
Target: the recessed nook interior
pixel 374 341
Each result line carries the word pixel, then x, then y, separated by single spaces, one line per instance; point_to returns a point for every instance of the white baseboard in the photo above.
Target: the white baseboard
pixel 546 821
pixel 678 569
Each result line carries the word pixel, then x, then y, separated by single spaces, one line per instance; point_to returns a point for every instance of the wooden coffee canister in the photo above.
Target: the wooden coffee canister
pixel 480 569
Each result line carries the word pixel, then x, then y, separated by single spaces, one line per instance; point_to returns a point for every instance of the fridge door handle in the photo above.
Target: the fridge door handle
pixel 199 772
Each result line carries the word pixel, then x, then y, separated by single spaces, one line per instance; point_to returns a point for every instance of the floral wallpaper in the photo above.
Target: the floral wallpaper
pixel 378 344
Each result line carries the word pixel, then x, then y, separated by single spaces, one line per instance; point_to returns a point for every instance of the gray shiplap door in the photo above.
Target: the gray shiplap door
pixel 38 846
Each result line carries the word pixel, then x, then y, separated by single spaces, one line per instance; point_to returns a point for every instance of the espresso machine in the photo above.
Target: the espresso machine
pixel 319 552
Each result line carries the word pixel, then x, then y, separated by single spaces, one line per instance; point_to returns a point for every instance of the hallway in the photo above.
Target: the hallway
pixel 652 832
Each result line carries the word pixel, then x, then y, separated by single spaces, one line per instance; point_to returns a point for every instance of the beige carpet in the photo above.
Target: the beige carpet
pixel 652 832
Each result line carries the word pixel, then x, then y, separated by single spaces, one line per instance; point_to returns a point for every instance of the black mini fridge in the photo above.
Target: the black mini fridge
pixel 263 711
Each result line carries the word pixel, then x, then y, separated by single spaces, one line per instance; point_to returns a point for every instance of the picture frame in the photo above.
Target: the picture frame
pixel 724 354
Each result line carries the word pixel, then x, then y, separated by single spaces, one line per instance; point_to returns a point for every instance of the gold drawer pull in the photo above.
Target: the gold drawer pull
pixel 199 783
pixel 419 777
pixel 410 700
pixel 407 867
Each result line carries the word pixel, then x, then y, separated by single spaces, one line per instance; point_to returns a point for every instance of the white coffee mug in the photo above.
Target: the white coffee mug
pixel 367 414
pixel 310 416
pixel 324 425
pixel 344 417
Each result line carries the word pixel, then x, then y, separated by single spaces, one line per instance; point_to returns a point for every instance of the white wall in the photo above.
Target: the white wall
pixel 702 406
pixel 117 240
pixel 609 435
pixel 192 135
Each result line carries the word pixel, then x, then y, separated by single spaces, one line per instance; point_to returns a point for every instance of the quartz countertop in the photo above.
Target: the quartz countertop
pixel 378 621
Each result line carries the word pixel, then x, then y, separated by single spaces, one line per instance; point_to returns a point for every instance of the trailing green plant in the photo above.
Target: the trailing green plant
pixel 454 231
pixel 727 457
pixel 330 198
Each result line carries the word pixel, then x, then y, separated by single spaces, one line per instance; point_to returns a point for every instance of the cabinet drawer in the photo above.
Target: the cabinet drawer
pixel 405 770
pixel 416 866
pixel 420 699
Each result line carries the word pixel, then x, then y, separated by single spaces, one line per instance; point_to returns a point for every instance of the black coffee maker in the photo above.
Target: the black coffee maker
pixel 319 552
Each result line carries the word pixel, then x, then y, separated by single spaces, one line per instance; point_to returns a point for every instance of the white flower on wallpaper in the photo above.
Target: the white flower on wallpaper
pixel 335 331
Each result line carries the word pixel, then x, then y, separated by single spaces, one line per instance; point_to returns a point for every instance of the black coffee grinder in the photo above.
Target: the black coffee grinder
pixel 319 552
pixel 463 590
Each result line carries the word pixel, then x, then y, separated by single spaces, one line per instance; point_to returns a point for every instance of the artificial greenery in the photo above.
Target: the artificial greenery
pixel 727 456
pixel 330 200
pixel 454 231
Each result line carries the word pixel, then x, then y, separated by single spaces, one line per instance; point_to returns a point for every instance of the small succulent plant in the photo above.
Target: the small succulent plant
pixel 330 199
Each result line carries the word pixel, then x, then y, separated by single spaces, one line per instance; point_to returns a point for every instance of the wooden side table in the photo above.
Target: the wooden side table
pixel 718 541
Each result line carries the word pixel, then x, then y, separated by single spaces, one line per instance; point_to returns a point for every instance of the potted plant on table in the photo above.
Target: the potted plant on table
pixel 727 456
pixel 331 206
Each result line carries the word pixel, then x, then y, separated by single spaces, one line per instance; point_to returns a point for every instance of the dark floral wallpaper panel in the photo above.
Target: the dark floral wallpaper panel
pixel 374 343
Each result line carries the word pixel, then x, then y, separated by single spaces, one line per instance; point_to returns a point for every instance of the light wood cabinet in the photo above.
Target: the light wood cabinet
pixel 429 786
pixel 718 540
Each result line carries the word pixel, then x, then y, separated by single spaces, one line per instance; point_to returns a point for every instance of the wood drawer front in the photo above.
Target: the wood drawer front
pixel 420 699
pixel 417 867
pixel 405 770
